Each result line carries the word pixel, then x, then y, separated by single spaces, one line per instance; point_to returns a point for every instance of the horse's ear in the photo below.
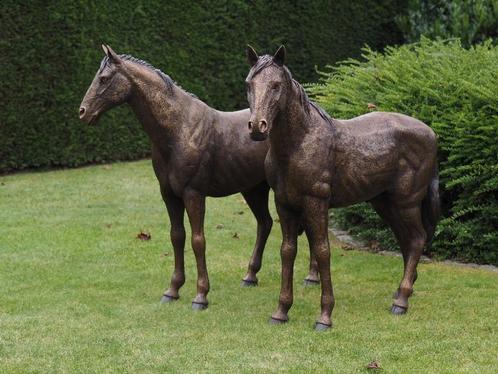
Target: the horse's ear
pixel 113 56
pixel 104 48
pixel 252 56
pixel 279 56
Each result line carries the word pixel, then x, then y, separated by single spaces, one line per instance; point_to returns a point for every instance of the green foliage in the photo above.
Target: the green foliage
pixel 49 53
pixel 470 20
pixel 453 90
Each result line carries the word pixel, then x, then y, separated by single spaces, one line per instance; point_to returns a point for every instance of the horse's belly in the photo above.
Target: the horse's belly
pixel 361 187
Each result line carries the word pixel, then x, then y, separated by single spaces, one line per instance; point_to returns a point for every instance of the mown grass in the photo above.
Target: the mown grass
pixel 79 292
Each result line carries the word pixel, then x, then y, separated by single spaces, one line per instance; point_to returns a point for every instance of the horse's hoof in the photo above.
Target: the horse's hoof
pixel 398 310
pixel 248 283
pixel 198 306
pixel 322 326
pixel 168 299
pixel 310 282
pixel 275 321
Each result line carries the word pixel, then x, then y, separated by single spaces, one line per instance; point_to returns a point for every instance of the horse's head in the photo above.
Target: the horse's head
pixel 268 84
pixel 109 88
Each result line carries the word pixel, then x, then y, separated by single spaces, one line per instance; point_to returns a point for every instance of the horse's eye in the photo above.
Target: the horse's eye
pixel 103 80
pixel 275 86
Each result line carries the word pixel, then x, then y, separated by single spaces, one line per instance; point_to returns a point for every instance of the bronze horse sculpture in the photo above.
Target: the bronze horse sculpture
pixel 316 162
pixel 197 151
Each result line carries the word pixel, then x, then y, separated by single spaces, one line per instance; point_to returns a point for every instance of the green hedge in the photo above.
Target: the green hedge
pixel 471 21
pixel 455 91
pixel 49 52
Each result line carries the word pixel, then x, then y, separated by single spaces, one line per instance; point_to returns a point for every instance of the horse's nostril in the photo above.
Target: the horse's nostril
pixel 263 125
pixel 249 125
pixel 82 111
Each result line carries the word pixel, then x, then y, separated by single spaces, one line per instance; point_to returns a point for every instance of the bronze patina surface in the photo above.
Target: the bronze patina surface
pixel 316 162
pixel 197 151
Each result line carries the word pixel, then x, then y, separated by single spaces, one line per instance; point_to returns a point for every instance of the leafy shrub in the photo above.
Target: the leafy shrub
pixel 453 90
pixel 49 52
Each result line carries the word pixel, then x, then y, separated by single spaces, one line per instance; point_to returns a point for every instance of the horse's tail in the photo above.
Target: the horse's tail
pixel 431 208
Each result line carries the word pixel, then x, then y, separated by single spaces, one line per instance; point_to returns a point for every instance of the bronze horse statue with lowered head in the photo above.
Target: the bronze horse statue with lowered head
pixel 197 151
pixel 316 162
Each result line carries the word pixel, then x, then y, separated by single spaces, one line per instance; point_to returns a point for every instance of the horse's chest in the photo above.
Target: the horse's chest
pixel 294 182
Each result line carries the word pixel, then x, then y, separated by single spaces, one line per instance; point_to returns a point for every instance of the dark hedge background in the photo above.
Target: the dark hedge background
pixel 50 51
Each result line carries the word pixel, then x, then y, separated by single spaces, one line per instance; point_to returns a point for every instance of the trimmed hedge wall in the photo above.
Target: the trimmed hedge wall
pixel 50 51
pixel 455 91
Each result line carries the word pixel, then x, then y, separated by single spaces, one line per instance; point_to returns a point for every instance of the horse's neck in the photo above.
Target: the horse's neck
pixel 161 109
pixel 290 128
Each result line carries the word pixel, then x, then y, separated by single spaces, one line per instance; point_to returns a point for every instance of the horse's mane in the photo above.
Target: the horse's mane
pixel 165 77
pixel 266 61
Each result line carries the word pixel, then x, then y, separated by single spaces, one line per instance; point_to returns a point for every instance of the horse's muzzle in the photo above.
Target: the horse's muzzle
pixel 258 129
pixel 87 117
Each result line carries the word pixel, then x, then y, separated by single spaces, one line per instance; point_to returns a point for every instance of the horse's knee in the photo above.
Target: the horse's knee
pixel 287 250
pixel 198 242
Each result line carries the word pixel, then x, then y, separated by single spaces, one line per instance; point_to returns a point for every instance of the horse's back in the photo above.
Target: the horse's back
pixel 386 123
pixel 382 152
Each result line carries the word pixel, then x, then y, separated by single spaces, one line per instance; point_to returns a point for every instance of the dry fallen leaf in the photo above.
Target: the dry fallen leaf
pixel 240 212
pixel 144 235
pixel 374 365
pixel 371 106
pixel 374 245
pixel 235 236
pixel 219 226
pixel 347 247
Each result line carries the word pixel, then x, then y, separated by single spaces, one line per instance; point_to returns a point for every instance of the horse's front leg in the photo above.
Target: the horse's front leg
pixel 195 204
pixel 316 226
pixel 176 211
pixel 289 222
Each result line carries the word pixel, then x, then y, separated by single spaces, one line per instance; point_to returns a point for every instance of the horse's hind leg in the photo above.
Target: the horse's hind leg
pixel 257 199
pixel 195 204
pixel 385 208
pixel 412 238
pixel 176 212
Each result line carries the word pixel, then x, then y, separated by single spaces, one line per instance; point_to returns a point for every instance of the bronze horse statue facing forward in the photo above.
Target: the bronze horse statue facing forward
pixel 315 163
pixel 197 151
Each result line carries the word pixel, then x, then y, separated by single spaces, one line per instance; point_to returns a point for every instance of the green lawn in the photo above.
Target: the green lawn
pixel 79 292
